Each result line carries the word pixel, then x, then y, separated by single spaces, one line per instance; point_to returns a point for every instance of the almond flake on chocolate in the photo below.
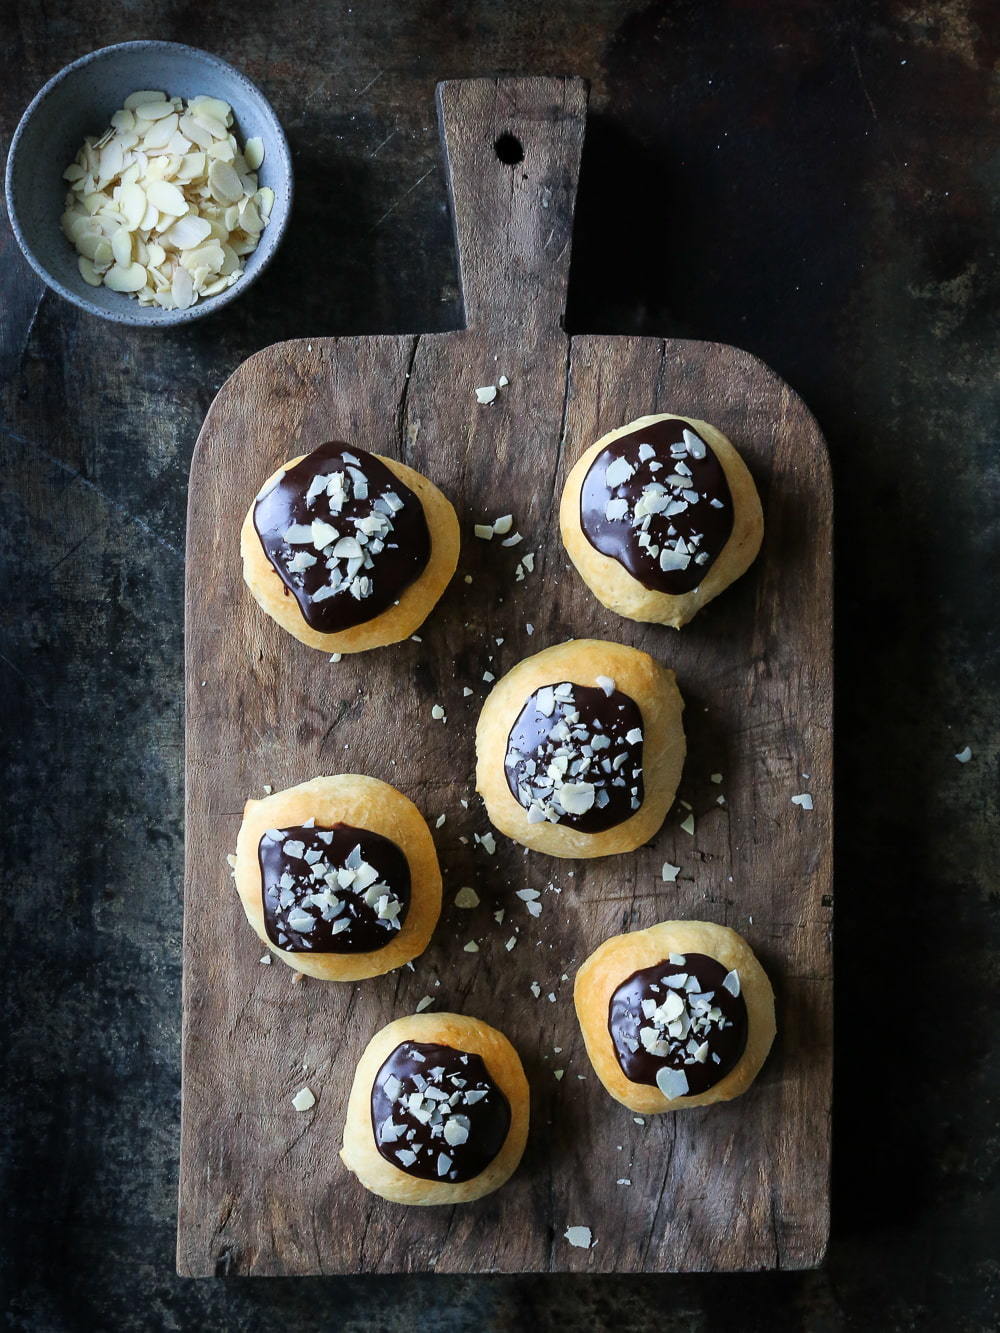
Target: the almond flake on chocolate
pixel 805 801
pixel 688 825
pixel 672 1082
pixel 580 1237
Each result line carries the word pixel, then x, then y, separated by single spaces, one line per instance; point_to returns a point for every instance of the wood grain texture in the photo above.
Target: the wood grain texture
pixel 739 1186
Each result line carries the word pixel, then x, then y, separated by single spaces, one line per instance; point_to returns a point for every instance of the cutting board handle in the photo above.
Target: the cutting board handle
pixel 512 157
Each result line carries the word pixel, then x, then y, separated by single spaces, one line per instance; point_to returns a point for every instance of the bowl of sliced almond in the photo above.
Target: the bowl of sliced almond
pixel 149 183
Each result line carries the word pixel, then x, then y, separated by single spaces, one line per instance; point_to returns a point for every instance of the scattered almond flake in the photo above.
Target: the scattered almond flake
pixel 530 628
pixel 416 638
pixel 166 205
pixel 424 1003
pixel 438 714
pixel 268 788
pixel 670 872
pixel 464 803
pixel 471 947
pixel 510 943
pixel 685 805
pixel 804 800
pixel 607 685
pixel 335 657
pixel 266 960
pixel 231 860
pixel 439 822
pixel 623 1181
pixel 512 540
pixel 720 800
pixel 535 989
pixel 466 898
pixel 486 394
pixel 503 525
pixel 688 825
pixel 465 691
pixel 965 755
pixel 502 382
pixel 731 982
pixel 528 895
pixel 488 676
pixel 534 909
pixel 580 1237
pixel 499 915
pixel 468 577
pixel 715 777
pixel 551 997
pixel 638 1120
pixel 498 643
pixel 484 531
pixel 304 1099
pixel 487 842
pixel 558 1073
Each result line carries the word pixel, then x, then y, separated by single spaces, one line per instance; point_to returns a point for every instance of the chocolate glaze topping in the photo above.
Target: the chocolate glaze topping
pixel 343 534
pixel 332 890
pixel 574 756
pixel 657 501
pixel 680 1025
pixel 437 1113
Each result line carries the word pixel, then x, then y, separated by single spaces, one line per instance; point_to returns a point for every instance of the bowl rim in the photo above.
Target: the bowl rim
pixel 130 315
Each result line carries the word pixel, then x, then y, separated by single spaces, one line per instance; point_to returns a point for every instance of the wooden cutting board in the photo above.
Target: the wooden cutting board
pixel 739 1186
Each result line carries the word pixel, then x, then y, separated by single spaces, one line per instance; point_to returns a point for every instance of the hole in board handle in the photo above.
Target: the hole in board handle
pixel 508 149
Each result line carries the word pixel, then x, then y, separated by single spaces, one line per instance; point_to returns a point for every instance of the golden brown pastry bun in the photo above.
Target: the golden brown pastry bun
pixel 590 735
pixel 339 876
pixel 660 516
pixel 438 1112
pixel 679 1015
pixel 356 563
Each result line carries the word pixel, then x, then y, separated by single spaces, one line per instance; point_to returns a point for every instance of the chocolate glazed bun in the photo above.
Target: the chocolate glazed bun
pixel 348 550
pixel 660 516
pixel 579 749
pixel 679 1015
pixel 438 1111
pixel 339 877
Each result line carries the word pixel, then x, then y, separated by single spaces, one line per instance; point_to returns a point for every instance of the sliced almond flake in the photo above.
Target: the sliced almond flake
pixel 558 1073
pixel 471 947
pixel 688 825
pixel 804 800
pixel 438 713
pixel 484 531
pixel 266 960
pixel 424 1003
pixel 486 394
pixel 670 873
pixel 253 153
pixel 466 898
pixel 715 777
pixel 965 755
pixel 607 685
pixel 672 1082
pixel 304 1099
pixel 439 822
pixel 580 1237
pixel 510 943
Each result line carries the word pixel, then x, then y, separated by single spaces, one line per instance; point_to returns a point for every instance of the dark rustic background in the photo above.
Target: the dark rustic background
pixel 816 182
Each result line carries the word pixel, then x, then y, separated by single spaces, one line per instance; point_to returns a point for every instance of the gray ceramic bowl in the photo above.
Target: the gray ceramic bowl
pixel 80 100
